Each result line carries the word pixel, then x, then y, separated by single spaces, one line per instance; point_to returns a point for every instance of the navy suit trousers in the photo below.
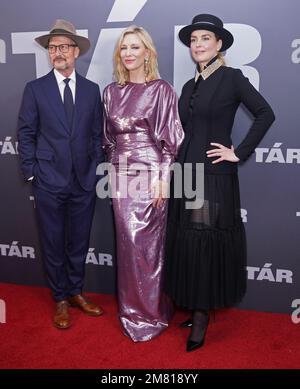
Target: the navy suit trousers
pixel 65 220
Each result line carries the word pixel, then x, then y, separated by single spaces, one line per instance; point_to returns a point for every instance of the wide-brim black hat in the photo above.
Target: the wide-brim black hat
pixel 209 23
pixel 65 28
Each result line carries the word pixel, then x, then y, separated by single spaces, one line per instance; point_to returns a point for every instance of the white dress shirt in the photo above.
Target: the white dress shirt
pixel 61 84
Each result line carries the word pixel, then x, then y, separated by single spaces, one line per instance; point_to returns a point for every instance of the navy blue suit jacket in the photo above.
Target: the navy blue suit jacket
pixel 47 146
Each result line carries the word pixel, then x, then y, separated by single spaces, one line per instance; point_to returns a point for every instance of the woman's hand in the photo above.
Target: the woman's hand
pixel 224 153
pixel 160 193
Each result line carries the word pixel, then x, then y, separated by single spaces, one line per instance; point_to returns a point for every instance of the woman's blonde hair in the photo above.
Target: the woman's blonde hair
pixel 121 74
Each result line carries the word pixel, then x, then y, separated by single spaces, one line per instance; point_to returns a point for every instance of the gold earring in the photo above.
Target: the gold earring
pixel 146 68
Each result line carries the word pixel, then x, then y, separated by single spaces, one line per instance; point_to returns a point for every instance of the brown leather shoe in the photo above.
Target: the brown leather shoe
pixel 61 318
pixel 89 308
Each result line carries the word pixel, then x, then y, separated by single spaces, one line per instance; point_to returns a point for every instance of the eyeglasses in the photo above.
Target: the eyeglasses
pixel 62 48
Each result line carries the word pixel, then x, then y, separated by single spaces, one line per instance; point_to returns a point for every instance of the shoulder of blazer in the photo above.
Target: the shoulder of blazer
pixel 232 72
pixel 235 78
pixel 35 86
pixel 88 83
pixel 187 88
pixel 41 80
pixel 189 84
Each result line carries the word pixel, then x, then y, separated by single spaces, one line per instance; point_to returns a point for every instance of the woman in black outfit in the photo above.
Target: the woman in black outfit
pixel 206 247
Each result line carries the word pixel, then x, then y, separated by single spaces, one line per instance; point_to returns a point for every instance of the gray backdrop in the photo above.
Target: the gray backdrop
pixel 267 49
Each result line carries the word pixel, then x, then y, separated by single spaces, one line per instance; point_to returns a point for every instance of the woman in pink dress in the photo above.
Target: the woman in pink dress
pixel 142 127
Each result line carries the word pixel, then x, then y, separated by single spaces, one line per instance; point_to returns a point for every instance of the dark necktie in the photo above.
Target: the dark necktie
pixel 68 102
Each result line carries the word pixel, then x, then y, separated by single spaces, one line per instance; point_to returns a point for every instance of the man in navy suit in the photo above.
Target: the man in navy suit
pixel 59 133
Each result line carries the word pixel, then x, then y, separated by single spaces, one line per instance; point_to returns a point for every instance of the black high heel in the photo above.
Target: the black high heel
pixel 186 324
pixel 192 345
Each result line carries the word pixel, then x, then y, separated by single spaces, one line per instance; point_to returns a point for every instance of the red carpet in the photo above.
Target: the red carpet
pixel 235 340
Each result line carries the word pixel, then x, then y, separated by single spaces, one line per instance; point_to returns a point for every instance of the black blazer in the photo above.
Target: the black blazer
pixel 215 103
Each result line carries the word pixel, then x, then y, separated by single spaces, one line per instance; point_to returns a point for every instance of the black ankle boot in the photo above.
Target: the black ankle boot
pixel 196 338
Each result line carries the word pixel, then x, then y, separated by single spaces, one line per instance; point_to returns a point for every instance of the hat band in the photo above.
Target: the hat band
pixel 61 31
pixel 205 23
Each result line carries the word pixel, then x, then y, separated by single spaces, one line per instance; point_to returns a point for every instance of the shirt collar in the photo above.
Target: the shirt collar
pixel 60 78
pixel 209 69
pixel 207 65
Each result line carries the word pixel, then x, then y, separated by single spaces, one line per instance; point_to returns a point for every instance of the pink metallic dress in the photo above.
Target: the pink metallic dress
pixel 142 136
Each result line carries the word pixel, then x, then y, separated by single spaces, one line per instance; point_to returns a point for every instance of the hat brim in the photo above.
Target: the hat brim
pixel 82 42
pixel 225 35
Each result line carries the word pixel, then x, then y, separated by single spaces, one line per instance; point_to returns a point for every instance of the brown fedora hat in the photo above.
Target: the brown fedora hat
pixel 65 28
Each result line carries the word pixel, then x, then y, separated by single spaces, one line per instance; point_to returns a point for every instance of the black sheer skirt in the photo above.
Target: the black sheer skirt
pixel 206 257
